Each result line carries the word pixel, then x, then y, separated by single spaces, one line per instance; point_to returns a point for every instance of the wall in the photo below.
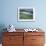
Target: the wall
pixel 8 13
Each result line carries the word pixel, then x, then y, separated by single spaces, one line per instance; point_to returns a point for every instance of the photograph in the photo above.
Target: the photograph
pixel 26 14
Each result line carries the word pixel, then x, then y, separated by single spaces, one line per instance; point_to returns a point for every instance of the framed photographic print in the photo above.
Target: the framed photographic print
pixel 26 14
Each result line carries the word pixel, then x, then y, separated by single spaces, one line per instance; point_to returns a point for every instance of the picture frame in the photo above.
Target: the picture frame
pixel 26 14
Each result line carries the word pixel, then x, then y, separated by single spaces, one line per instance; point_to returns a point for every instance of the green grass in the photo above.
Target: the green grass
pixel 25 16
